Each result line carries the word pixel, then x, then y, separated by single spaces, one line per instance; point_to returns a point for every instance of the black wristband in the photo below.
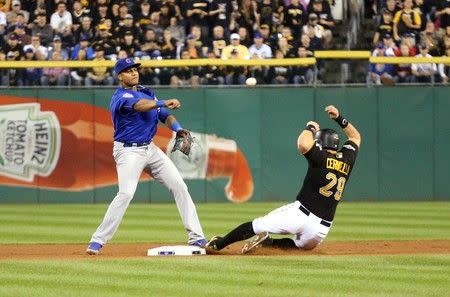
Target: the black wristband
pixel 311 128
pixel 341 121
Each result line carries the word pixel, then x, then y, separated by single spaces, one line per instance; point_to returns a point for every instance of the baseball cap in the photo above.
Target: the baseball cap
pixel 20 26
pixel 102 27
pixel 10 54
pixel 264 26
pixel 312 16
pixel 387 36
pixel 84 37
pixel 235 36
pixel 124 64
pixel 129 16
pixel 29 50
pixel 56 38
pixel 190 36
pixel 257 35
pixel 15 2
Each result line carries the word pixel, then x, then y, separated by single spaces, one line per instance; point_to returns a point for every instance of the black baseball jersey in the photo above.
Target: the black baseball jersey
pixel 326 178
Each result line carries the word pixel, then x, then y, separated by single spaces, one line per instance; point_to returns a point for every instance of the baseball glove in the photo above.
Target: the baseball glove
pixel 183 142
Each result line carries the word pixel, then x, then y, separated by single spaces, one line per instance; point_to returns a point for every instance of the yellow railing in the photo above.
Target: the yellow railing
pixel 342 55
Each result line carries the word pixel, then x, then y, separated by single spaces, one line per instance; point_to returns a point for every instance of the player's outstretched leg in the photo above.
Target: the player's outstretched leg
pixel 241 232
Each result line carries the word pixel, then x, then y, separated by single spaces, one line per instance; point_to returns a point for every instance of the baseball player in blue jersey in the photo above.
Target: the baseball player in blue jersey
pixel 136 112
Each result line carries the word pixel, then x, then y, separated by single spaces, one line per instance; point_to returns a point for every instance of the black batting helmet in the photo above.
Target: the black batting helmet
pixel 328 139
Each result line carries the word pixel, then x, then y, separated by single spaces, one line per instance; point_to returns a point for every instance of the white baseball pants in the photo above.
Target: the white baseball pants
pixel 289 219
pixel 130 162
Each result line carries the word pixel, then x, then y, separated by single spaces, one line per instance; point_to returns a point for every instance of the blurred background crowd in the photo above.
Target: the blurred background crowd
pixel 215 29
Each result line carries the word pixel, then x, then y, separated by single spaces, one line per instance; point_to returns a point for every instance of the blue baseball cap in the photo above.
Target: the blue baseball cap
pixel 124 64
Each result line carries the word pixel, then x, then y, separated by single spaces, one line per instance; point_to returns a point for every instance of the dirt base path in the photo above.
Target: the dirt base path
pixel 139 250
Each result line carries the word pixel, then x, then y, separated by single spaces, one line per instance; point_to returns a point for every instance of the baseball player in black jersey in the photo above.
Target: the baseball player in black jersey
pixel 311 216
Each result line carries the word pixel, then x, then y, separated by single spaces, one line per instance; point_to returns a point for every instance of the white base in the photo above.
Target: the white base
pixel 177 250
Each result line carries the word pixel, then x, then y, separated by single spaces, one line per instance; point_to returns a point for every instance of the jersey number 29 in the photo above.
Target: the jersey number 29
pixel 325 190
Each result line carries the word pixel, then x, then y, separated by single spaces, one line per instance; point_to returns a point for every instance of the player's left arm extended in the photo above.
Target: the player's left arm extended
pixel 349 130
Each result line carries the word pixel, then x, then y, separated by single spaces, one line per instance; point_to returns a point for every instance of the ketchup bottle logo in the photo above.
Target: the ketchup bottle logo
pixel 67 146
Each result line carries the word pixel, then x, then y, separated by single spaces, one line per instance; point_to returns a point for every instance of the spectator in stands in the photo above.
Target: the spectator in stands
pixel 212 74
pixel 101 13
pixel 31 76
pixel 218 42
pixel 418 7
pixel 23 37
pixel 259 49
pixel 165 15
pixel 61 22
pixel 185 76
pixel 303 74
pixel 325 19
pixel 177 31
pixel 220 13
pixel 279 75
pixel 444 69
pixel 106 41
pixel 403 71
pixel 99 75
pixel 13 77
pixel 13 48
pixel 312 28
pixel 16 9
pixel 40 52
pixel 198 13
pixel 3 23
pixel 127 25
pixel 150 43
pixel 443 12
pixel 168 46
pixel 85 29
pixel 392 7
pixel 41 28
pixel 406 20
pixel 55 75
pixel 129 44
pixel 78 13
pixel 284 47
pixel 423 72
pixel 235 75
pixel 390 48
pixel 430 37
pixel 192 47
pixel 155 25
pixel 269 39
pixel 380 73
pixel 295 17
pixel 78 75
pixel 410 40
pixel 286 32
pixel 235 49
pixel 83 45
pixel 269 11
pixel 119 11
pixel 143 18
pixel 200 40
pixel 245 37
pixel 385 27
pixel 57 47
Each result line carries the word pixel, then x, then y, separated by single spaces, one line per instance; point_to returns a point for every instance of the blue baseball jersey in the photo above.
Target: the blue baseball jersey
pixel 132 126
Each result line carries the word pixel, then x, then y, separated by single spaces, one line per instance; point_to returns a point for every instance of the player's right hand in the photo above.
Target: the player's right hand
pixel 172 103
pixel 332 111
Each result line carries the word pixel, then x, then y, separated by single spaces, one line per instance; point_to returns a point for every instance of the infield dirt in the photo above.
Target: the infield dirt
pixel 139 250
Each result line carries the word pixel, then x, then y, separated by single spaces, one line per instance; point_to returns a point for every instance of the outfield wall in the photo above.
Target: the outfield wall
pixel 405 131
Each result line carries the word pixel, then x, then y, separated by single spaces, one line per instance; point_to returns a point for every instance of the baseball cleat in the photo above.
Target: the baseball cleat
pixel 94 248
pixel 255 242
pixel 212 244
pixel 200 243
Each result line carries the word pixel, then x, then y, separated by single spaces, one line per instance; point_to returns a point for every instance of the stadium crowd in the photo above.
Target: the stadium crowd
pixel 162 29
pixel 410 28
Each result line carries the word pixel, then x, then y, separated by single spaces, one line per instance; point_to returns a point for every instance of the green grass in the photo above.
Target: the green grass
pixel 230 276
pixel 73 223
pixel 399 275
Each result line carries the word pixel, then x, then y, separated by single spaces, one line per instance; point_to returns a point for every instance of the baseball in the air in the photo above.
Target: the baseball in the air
pixel 251 81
